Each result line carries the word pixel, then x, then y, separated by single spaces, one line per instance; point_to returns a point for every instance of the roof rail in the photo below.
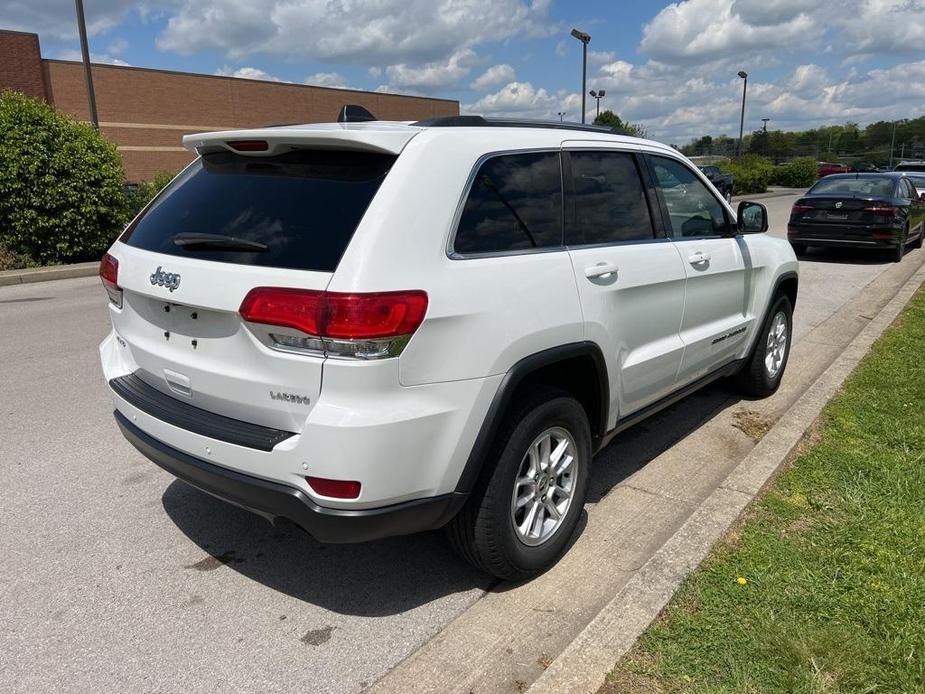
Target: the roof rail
pixel 481 121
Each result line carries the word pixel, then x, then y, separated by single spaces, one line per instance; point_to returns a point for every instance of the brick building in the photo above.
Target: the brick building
pixel 146 112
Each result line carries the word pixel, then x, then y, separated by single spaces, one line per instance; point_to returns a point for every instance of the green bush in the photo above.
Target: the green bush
pixel 141 194
pixel 752 173
pixel 61 196
pixel 799 173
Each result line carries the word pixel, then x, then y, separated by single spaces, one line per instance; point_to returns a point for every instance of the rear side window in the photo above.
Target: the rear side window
pixel 610 202
pixel 297 210
pixel 514 204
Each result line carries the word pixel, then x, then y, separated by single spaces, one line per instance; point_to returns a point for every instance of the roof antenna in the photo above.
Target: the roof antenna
pixel 351 113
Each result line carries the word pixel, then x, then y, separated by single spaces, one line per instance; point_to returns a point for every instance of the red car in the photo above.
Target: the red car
pixel 825 168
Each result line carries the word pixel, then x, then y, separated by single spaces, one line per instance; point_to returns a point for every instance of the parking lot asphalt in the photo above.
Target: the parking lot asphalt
pixel 118 577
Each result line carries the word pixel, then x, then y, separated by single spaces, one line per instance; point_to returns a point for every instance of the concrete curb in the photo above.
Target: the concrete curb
pixel 45 274
pixel 583 665
pixel 780 193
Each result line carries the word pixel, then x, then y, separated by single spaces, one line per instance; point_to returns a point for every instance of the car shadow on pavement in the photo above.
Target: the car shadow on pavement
pixel 371 579
pixel 852 256
pixel 397 574
pixel 634 448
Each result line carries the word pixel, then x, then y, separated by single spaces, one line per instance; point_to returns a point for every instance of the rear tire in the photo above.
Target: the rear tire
pixel 494 531
pixel 762 373
pixel 896 255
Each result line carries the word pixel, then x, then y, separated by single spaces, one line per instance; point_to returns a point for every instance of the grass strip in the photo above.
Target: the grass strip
pixel 821 587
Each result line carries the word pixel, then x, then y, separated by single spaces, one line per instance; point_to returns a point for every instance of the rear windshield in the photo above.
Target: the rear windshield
pixel 296 210
pixel 858 186
pixel 910 167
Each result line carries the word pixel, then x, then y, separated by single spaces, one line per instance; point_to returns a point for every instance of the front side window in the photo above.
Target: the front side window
pixel 692 208
pixel 514 204
pixel 610 202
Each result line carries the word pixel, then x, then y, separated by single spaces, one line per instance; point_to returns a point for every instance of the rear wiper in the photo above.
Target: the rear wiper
pixel 192 241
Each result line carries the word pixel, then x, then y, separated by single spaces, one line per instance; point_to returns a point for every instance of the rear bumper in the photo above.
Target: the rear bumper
pixel 273 500
pixel 857 237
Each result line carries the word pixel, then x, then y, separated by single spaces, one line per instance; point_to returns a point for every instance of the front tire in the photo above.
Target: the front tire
pixel 527 503
pixel 762 373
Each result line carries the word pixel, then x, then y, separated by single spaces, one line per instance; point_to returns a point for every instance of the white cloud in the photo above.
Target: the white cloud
pixel 601 57
pixel 562 48
pixel 522 99
pixel 118 46
pixel 388 31
pixel 250 73
pixel 327 79
pixel 496 74
pixel 702 31
pixel 882 26
pixel 56 19
pixel 432 76
pixel 375 72
pixel 102 58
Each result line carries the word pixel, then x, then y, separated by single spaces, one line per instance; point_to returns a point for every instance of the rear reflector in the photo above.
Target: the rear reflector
pixel 336 489
pixel 249 145
pixel 109 274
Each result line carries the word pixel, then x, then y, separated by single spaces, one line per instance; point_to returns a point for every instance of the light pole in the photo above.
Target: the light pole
pixel 561 115
pixel 744 76
pixel 892 144
pixel 88 75
pixel 585 40
pixel 598 95
pixel 765 121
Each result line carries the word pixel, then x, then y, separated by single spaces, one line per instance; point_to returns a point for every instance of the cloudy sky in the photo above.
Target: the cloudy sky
pixel 670 66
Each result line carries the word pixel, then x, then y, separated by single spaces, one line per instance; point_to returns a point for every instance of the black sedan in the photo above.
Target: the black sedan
pixel 863 210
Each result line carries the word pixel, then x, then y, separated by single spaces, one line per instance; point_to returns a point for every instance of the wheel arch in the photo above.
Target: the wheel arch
pixel 578 368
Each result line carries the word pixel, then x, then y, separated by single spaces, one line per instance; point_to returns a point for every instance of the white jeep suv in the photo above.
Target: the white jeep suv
pixel 375 328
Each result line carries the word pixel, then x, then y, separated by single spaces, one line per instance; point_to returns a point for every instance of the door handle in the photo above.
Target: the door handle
pixel 600 270
pixel 698 258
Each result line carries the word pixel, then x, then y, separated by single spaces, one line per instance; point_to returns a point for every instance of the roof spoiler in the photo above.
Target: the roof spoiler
pixel 351 113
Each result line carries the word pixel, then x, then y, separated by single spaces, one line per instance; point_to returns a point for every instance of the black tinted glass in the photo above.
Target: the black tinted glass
pixel 303 206
pixel 860 186
pixel 610 203
pixel 692 209
pixel 515 204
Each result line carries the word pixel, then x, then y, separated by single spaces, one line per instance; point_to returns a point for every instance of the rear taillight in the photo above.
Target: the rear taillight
pixel 363 326
pixel 799 208
pixel 883 211
pixel 109 274
pixel 336 489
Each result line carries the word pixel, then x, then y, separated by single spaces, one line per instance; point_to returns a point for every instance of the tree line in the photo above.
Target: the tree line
pixel 849 143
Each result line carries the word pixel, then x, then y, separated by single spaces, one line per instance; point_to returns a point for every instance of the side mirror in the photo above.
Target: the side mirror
pixel 751 218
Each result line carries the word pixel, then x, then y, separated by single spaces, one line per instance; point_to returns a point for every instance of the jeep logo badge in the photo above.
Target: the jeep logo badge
pixel 170 280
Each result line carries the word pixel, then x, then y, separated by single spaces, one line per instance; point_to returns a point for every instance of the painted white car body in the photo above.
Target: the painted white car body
pixel 406 426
